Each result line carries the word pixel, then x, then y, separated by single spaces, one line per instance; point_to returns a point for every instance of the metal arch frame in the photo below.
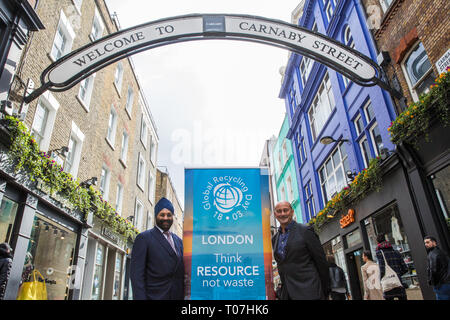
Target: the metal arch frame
pixel 47 84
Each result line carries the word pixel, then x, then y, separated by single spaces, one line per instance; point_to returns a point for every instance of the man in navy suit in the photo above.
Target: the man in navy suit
pixel 157 269
pixel 300 257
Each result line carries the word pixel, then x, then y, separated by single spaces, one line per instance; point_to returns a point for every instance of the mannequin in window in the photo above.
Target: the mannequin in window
pixel 396 234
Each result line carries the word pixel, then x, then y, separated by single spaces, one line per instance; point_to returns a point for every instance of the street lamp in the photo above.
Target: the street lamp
pixel 328 140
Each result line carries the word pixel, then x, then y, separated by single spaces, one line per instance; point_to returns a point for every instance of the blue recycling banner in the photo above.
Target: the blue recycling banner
pixel 224 243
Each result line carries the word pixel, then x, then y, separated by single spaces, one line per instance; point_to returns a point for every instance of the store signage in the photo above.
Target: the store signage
pixel 72 68
pixel 227 249
pixel 443 62
pixel 110 235
pixel 348 219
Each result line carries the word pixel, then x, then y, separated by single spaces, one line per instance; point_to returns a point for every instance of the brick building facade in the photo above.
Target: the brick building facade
pixel 165 188
pixel 105 124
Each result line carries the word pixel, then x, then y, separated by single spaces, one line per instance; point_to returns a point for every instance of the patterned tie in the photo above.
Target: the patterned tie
pixel 169 238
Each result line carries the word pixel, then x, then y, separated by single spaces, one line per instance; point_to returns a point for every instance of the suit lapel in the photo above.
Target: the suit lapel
pixel 163 241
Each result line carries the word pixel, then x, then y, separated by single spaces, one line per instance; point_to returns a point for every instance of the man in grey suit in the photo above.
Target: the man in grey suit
pixel 300 257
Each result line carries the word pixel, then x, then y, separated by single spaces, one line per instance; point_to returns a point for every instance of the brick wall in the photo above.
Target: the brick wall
pixel 96 151
pixel 405 23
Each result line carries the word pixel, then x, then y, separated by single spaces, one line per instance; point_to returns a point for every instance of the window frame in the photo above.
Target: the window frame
pixel 413 88
pixel 112 127
pixel 106 178
pixel 141 169
pixel 118 77
pixel 343 157
pixel 317 106
pixel 67 31
pixel 97 21
pixel 52 105
pixel 78 136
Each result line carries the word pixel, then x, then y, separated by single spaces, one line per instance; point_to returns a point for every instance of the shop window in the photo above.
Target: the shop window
pixel 8 211
pixel 441 185
pixel 97 285
pixel 335 248
pixel 389 222
pixel 51 251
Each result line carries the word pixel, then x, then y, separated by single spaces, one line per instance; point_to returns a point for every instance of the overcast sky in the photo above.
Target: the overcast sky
pixel 214 102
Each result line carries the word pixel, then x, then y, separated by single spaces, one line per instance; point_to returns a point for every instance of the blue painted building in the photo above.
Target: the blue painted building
pixel 320 102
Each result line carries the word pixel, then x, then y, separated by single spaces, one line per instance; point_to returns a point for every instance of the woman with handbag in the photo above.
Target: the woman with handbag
pixel 371 278
pixel 392 267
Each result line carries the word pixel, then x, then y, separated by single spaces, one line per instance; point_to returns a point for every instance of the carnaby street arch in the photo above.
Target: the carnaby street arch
pixel 79 64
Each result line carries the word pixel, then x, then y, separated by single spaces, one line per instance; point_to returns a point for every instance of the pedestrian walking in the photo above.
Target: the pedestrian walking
pixel 371 278
pixel 393 258
pixel 300 257
pixel 438 269
pixel 338 283
pixel 5 267
pixel 157 269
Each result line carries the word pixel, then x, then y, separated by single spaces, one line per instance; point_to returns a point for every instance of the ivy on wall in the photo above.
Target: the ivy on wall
pixel 366 181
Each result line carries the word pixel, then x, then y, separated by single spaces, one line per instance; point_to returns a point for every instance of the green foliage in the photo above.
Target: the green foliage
pixel 39 166
pixel 366 181
pixel 414 122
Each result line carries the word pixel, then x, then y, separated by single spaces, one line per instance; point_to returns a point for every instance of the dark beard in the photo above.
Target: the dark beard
pixel 164 226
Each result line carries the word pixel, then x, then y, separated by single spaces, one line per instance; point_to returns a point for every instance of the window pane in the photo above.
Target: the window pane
pixel 8 210
pixel 329 167
pixel 417 64
pixel 336 158
pixel 376 136
pixel 365 150
pixel 71 154
pixel 369 112
pixel 340 181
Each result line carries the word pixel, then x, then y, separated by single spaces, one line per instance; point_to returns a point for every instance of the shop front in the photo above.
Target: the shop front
pixel 104 274
pixel 390 211
pixel 44 235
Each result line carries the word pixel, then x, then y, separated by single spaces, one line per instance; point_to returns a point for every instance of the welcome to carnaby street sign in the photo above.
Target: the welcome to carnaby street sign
pixel 79 64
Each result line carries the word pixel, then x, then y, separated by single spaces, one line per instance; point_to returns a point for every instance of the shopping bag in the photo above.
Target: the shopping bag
pixel 33 290
pixel 390 279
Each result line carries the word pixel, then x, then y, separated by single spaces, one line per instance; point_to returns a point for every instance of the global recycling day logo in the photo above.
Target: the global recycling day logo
pixel 226 197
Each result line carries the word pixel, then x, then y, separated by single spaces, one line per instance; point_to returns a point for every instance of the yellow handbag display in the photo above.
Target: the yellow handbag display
pixel 33 290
